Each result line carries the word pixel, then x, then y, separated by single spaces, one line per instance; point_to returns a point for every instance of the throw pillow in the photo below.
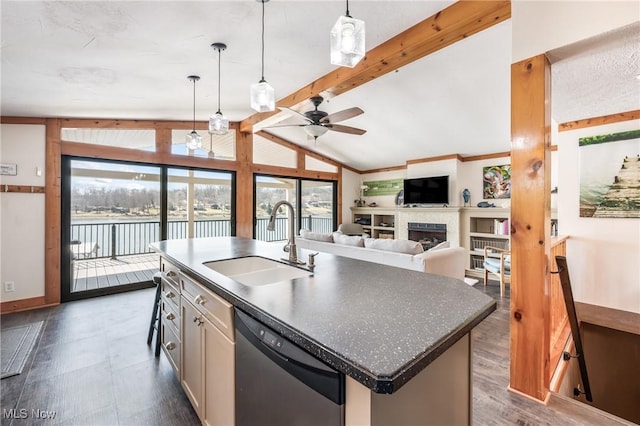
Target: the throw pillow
pixel 348 240
pixel 316 236
pixel 444 244
pixel 398 246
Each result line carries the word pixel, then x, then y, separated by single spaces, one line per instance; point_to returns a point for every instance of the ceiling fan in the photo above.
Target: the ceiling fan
pixel 319 122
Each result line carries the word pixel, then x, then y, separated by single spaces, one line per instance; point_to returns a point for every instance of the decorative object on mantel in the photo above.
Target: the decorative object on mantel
pixel 496 181
pixel 9 169
pixel 194 140
pixel 484 204
pixel 360 202
pixel 466 196
pixel 400 198
pixel 383 187
pixel 374 204
pixel 610 175
pixel 263 97
pixel 218 123
pixel 347 41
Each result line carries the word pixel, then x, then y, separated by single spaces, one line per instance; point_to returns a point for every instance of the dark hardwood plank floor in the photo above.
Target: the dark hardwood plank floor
pixel 92 366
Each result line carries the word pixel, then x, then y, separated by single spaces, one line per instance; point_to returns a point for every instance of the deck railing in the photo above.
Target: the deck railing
pixel 129 238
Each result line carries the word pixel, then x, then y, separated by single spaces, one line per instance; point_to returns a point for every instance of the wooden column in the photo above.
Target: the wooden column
pixel 530 226
pixel 244 185
pixel 53 206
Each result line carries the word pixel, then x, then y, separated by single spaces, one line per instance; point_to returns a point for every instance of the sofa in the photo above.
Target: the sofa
pixel 440 260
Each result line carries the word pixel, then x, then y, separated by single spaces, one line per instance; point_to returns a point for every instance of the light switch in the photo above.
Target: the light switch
pixel 38 171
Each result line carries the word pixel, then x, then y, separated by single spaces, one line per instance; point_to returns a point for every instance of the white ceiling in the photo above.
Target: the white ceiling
pixel 130 60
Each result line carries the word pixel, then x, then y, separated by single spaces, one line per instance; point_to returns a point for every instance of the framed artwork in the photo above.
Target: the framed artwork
pixel 496 182
pixel 383 187
pixel 610 175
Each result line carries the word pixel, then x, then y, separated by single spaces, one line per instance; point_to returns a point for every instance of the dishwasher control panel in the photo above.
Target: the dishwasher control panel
pixel 270 339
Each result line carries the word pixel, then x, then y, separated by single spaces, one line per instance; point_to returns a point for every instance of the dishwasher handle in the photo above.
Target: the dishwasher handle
pixel 294 360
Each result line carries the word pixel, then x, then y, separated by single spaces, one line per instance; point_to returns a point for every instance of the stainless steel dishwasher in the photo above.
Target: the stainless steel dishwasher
pixel 278 383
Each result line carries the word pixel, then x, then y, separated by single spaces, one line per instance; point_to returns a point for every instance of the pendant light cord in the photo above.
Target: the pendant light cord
pixel 262 40
pixel 349 16
pixel 194 104
pixel 219 60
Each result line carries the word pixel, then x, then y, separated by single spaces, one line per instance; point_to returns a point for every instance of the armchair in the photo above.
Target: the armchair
pixel 497 261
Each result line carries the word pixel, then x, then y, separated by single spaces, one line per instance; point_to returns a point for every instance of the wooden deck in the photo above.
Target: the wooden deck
pixel 91 274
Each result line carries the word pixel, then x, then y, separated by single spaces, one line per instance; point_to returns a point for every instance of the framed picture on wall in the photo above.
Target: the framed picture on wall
pixel 496 182
pixel 610 175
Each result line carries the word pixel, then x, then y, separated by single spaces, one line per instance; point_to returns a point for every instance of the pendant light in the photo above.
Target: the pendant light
pixel 347 41
pixel 218 123
pixel 194 140
pixel 263 97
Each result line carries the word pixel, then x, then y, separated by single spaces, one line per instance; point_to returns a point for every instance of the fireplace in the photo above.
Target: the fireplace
pixel 427 234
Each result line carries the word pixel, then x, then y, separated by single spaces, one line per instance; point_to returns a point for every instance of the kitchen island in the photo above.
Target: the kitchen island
pixel 389 330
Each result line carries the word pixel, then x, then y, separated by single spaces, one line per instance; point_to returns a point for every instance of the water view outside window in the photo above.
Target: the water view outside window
pixel 199 203
pixel 115 208
pixel 316 210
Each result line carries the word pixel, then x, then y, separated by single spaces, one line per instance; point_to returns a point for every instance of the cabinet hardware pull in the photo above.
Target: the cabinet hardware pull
pixel 170 295
pixel 170 316
pixel 199 300
pixel 171 346
pixel 171 274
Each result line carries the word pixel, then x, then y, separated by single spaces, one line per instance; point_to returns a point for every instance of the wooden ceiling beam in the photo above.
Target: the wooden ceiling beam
pixel 454 23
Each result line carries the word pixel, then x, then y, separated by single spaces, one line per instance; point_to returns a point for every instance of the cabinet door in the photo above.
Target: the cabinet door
pixel 219 375
pixel 192 358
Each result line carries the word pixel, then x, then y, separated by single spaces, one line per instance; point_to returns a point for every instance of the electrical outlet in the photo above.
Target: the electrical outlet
pixel 9 286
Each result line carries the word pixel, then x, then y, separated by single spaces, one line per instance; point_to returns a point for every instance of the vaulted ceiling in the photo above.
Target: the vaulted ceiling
pixel 130 60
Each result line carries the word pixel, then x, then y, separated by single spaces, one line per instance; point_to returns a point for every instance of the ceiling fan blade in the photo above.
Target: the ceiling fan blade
pixel 285 125
pixel 345 129
pixel 342 115
pixel 295 112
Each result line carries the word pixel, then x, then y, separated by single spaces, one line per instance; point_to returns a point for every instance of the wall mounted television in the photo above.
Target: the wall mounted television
pixel 427 190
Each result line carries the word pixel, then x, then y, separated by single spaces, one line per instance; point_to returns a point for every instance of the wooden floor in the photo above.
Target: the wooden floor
pixel 92 366
pixel 91 274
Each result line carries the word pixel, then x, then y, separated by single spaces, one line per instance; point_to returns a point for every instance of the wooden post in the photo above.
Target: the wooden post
pixel 530 227
pixel 52 220
pixel 244 185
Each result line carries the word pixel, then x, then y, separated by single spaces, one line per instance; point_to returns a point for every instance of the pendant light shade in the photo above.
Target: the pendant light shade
pixel 218 123
pixel 194 140
pixel 347 41
pixel 263 97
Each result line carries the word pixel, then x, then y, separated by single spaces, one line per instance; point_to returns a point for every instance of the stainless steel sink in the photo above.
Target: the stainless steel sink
pixel 256 270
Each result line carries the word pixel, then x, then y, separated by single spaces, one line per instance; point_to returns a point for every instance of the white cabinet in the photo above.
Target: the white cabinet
pixel 208 353
pixel 376 221
pixel 484 227
pixel 169 327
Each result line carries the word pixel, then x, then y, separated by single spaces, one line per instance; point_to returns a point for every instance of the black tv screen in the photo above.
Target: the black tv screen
pixel 428 190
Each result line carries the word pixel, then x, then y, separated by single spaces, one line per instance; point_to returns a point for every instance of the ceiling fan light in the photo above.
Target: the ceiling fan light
pixel 315 130
pixel 263 97
pixel 218 124
pixel 347 41
pixel 194 140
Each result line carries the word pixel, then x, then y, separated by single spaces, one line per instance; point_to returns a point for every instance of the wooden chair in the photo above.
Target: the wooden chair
pixel 497 261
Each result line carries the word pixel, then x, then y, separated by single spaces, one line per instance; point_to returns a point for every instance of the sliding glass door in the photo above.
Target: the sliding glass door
pixel 314 202
pixel 113 210
pixel 111 213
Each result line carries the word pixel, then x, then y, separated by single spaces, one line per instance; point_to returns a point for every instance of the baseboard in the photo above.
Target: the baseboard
pixel 24 305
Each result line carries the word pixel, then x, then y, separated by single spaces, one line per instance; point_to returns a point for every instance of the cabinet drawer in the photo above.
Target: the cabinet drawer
pixel 171 347
pixel 170 317
pixel 213 307
pixel 170 294
pixel 170 272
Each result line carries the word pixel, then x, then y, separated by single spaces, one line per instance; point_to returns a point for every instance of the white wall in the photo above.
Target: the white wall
pixel 542 25
pixel 350 191
pixel 603 254
pixel 22 245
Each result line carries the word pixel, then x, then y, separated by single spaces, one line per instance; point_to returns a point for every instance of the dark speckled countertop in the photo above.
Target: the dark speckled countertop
pixel 379 324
